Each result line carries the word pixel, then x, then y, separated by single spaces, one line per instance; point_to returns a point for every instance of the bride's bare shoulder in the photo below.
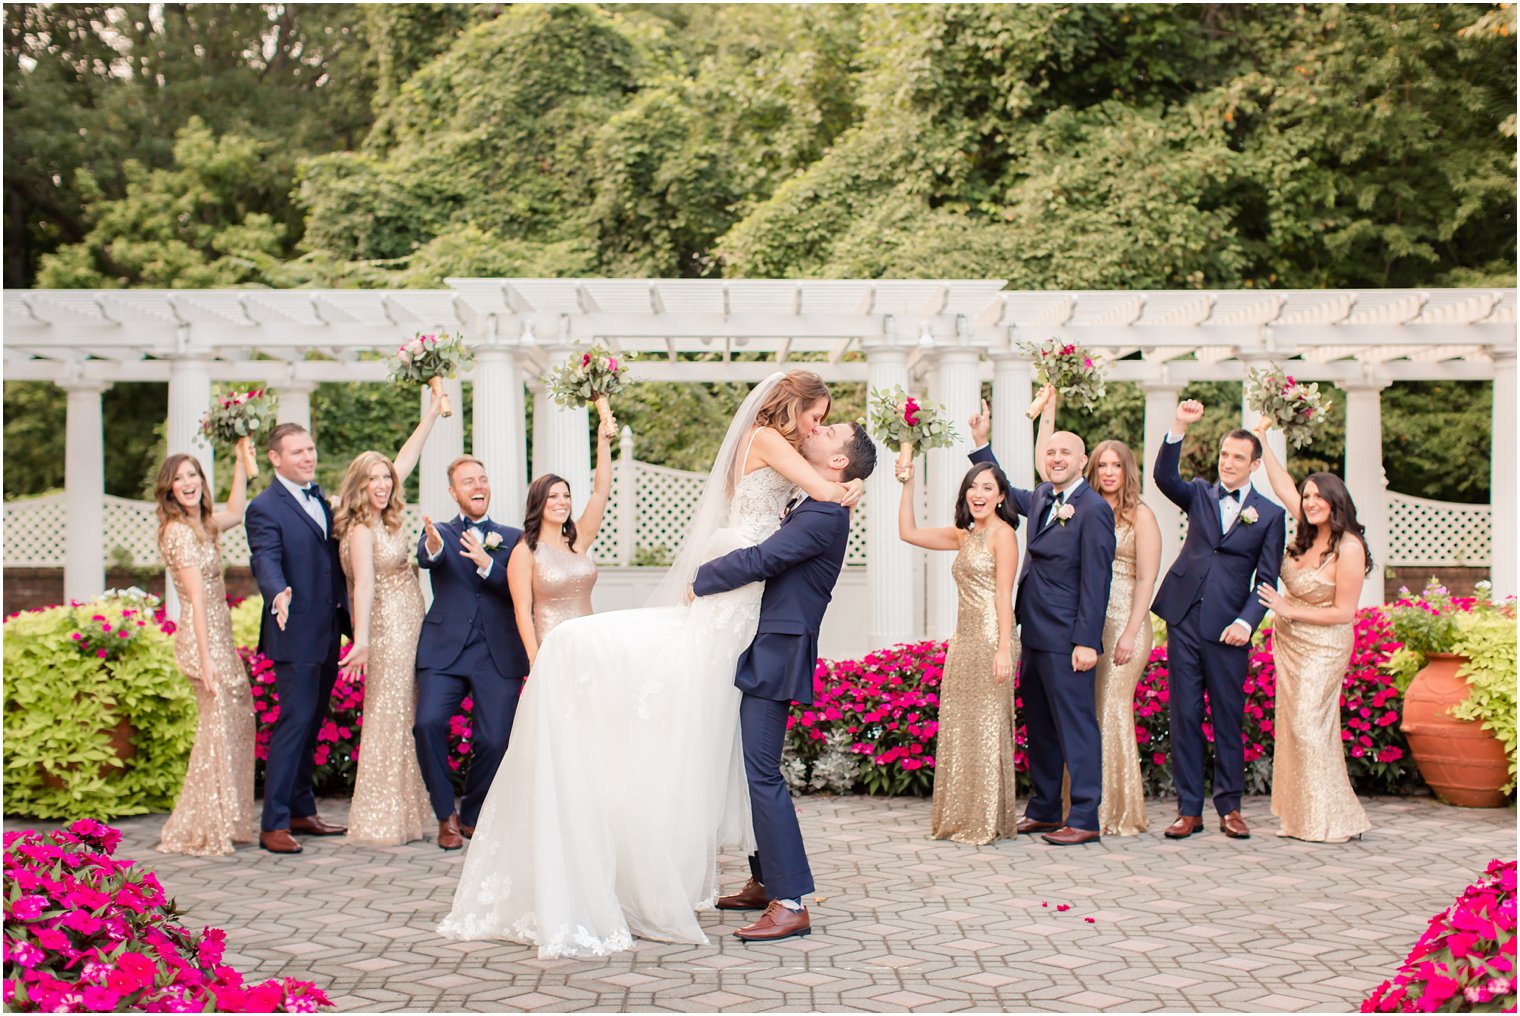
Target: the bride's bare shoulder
pixel 765 443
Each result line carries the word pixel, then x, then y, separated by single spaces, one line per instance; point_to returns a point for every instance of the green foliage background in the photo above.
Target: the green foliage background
pixel 1058 146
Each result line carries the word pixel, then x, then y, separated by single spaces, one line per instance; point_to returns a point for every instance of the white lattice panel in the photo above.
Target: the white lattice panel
pixel 34 535
pixel 133 526
pixel 665 500
pixel 605 549
pixel 1433 534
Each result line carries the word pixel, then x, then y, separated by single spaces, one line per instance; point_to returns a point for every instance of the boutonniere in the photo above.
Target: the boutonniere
pixel 492 540
pixel 1065 512
pixel 1249 516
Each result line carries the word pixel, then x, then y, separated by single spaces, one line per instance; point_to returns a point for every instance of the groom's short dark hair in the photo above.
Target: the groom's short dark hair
pixel 861 451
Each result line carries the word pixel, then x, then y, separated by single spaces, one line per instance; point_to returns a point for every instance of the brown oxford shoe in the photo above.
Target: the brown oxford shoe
pixel 1184 826
pixel 779 921
pixel 1233 826
pixel 312 825
pixel 279 841
pixel 1029 825
pixel 467 831
pixel 448 834
pixel 1066 836
pixel 751 897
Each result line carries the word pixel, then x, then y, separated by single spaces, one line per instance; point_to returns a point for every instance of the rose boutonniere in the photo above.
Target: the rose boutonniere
pixel 492 540
pixel 1249 516
pixel 1064 513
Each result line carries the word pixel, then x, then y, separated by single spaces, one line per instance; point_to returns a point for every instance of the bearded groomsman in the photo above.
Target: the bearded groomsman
pixel 1234 542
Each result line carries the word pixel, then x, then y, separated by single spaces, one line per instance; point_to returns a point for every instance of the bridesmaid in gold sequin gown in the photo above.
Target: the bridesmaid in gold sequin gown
pixel 550 572
pixel 215 808
pixel 974 799
pixel 1312 638
pixel 390 804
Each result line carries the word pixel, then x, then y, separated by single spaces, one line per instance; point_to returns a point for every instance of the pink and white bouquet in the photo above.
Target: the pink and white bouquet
pixel 426 359
pixel 589 377
pixel 896 418
pixel 236 417
pixel 1075 374
pixel 1292 406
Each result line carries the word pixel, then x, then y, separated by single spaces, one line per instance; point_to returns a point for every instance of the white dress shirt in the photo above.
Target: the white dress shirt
pixel 1229 510
pixel 308 504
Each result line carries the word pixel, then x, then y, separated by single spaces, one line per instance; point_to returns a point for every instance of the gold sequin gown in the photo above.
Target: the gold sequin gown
pixel 1311 793
pixel 973 756
pixel 390 804
pixel 1122 809
pixel 215 808
pixel 562 583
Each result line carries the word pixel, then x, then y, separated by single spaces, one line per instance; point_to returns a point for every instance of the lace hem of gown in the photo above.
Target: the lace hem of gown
pixel 563 942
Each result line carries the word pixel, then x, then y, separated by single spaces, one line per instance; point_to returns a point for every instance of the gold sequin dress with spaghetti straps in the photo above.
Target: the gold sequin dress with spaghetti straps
pixel 215 808
pixel 1122 809
pixel 974 785
pixel 390 804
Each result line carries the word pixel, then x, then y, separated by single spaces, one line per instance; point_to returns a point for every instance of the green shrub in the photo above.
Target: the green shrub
pixel 1488 642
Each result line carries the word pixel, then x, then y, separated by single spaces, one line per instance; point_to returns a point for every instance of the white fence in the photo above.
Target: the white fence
pixel 1424 534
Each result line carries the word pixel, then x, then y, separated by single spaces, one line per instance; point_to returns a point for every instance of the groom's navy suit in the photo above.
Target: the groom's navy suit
pixel 1062 599
pixel 799 565
pixel 469 645
pixel 287 548
pixel 1211 585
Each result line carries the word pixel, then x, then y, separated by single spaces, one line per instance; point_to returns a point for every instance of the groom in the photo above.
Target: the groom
pixel 799 565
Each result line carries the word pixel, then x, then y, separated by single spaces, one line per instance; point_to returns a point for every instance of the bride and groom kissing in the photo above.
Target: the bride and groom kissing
pixel 648 740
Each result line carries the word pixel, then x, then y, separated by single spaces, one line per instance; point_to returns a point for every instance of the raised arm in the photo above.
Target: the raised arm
pixel 411 452
pixel 590 522
pixel 1277 473
pixel 1147 567
pixel 1047 430
pixel 940 538
pixel 231 516
pixel 1350 573
pixel 771 449
pixel 1169 455
pixel 520 582
pixel 361 558
pixel 1005 564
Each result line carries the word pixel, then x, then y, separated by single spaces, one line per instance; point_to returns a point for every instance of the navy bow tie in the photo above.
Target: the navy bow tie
pixel 481 525
pixel 312 491
pixel 1233 495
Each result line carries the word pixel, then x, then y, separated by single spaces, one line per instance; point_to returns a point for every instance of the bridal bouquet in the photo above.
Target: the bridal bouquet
pixel 236 418
pixel 589 377
pixel 897 418
pixel 1075 374
pixel 426 359
pixel 1283 402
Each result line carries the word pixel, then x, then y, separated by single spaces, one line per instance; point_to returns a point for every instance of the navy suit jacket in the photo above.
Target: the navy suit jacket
pixel 461 597
pixel 1222 570
pixel 1063 586
pixel 799 564
pixel 287 548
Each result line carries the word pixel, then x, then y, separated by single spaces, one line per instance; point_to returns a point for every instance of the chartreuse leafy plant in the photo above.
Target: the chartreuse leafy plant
pixel 64 700
pixel 1488 642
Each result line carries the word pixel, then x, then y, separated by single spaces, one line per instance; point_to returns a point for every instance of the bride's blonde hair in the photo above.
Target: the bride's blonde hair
pixel 783 408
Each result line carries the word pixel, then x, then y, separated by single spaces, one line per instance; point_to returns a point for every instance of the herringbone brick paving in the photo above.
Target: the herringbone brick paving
pixel 901 922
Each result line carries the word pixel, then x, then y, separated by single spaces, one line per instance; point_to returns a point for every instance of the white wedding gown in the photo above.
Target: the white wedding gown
pixel 624 776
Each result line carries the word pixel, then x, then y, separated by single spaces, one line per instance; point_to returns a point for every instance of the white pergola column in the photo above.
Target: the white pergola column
pixel 889 561
pixel 1364 474
pixel 84 572
pixel 1502 492
pixel 445 444
pixel 958 387
pixel 189 398
pixel 294 407
pixel 1276 439
pixel 1012 431
pixel 499 439
pixel 562 436
pixel 1160 410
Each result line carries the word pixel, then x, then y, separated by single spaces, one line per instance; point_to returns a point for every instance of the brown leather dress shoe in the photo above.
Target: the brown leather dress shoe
pixel 1184 826
pixel 312 825
pixel 1233 826
pixel 751 897
pixel 448 834
pixel 1029 825
pixel 779 921
pixel 279 841
pixel 1066 836
pixel 467 831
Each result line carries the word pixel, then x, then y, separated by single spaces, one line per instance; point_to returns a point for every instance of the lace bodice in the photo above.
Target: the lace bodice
pixel 758 500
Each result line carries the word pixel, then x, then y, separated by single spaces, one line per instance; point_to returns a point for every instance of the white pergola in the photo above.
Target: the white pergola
pixel 944 335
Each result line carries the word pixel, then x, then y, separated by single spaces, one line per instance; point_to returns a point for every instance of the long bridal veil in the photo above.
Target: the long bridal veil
pixel 624 775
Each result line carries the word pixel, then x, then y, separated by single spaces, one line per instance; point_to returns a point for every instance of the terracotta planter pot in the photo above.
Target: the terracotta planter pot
pixel 121 744
pixel 1463 763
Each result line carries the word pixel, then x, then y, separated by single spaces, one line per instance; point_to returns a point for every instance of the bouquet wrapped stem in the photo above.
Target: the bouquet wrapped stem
pixel 904 453
pixel 1075 374
pixel 426 359
pixel 603 410
pixel 1037 406
pixel 435 385
pixel 895 417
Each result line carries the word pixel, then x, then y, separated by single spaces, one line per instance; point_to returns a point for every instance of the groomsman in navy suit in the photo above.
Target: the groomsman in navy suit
pixel 799 565
pixel 1208 600
pixel 1062 599
pixel 294 560
pixel 469 646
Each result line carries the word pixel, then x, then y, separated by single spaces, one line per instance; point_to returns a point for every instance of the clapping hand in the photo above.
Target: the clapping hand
pixel 434 541
pixel 981 426
pixel 472 549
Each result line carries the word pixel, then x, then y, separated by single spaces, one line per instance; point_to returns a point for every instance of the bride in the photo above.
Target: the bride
pixel 624 776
